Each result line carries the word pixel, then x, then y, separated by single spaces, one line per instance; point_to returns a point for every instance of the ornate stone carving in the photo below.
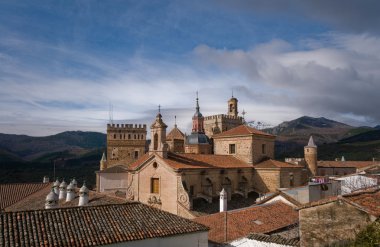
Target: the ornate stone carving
pixel 130 191
pixel 182 195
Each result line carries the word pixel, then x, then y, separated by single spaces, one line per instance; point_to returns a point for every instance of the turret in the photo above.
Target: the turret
pixel 233 107
pixel 158 136
pixel 62 190
pixel 56 186
pixel 223 201
pixel 103 164
pixel 83 195
pixel 51 200
pixel 311 156
pixel 70 195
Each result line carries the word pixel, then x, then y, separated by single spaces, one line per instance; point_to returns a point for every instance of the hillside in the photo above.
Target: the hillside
pixel 29 148
pixel 334 139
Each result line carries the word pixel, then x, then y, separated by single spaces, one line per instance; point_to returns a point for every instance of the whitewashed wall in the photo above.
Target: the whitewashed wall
pixel 112 181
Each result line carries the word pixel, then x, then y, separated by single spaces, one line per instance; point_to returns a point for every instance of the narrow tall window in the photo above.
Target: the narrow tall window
pixel 291 179
pixel 232 148
pixel 136 154
pixel 263 148
pixel 231 107
pixel 155 185
pixel 155 144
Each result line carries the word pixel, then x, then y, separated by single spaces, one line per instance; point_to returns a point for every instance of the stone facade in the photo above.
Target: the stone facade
pixel 247 147
pixel 198 148
pixel 333 223
pixel 216 124
pixel 125 143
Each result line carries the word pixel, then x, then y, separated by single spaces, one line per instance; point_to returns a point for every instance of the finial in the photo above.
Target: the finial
pixel 159 108
pixel 197 94
pixel 232 93
pixel 175 121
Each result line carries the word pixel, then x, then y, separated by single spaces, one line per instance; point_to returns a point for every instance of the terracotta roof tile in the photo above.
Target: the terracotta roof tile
pixel 242 130
pixel 12 193
pixel 276 164
pixel 284 195
pixel 276 239
pixel 356 164
pixel 204 161
pixel 369 200
pixel 37 201
pixel 139 161
pixel 91 226
pixel 257 219
pixel 175 133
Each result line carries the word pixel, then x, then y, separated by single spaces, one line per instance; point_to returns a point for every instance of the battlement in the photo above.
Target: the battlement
pixel 220 116
pixel 126 127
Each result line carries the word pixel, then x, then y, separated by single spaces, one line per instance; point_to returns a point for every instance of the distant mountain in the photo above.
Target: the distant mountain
pixel 333 138
pixel 29 148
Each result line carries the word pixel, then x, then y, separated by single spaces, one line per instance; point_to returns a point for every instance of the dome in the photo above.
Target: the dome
pixel 198 114
pixel 83 189
pixel 197 138
pixel 56 183
pixel 63 184
pixel 51 196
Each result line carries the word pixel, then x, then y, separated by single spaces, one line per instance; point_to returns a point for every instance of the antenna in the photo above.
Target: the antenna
pixel 110 112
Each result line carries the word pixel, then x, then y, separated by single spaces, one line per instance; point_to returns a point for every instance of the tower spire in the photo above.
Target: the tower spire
pixel 175 121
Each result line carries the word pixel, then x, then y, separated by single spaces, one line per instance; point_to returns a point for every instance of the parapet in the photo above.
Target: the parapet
pixel 127 126
pixel 221 116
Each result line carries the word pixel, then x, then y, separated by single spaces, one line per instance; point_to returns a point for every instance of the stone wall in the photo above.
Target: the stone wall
pixel 332 223
pixel 266 180
pixel 334 171
pixel 176 145
pixel 222 122
pixel 198 148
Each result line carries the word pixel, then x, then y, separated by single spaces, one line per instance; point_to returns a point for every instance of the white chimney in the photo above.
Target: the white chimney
pixel 56 186
pixel 343 159
pixel 45 180
pixel 70 192
pixel 62 190
pixel 223 201
pixel 75 183
pixel 51 200
pixel 83 196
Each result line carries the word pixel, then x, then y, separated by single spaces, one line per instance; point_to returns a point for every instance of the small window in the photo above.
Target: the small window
pixel 232 148
pixel 155 186
pixel 129 136
pixel 136 154
pixel 263 148
pixel 114 136
pixel 291 179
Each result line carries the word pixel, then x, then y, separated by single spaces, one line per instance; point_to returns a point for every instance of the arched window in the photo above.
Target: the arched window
pixel 155 142
pixel 231 107
pixel 114 136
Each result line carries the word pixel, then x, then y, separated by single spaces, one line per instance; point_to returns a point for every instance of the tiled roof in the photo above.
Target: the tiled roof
pixel 196 161
pixel 115 169
pixel 275 164
pixel 355 164
pixel 318 203
pixel 12 193
pixel 204 161
pixel 91 226
pixel 242 130
pixel 276 239
pixel 368 200
pixel 284 195
pixel 231 225
pixel 175 133
pixel 37 201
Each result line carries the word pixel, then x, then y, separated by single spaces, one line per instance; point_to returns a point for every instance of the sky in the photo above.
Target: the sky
pixel 65 64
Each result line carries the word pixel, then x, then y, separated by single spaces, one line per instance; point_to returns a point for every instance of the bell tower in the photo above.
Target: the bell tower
pixel 233 107
pixel 158 136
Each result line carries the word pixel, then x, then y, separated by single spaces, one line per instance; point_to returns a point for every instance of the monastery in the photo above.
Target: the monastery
pixel 178 170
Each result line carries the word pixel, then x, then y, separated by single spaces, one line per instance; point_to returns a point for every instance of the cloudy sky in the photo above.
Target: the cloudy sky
pixel 63 63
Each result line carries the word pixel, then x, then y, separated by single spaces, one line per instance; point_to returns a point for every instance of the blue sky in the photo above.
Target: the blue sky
pixel 62 63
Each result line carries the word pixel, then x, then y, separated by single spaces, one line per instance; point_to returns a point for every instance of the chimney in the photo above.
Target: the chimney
pixel 56 186
pixel 75 183
pixel 343 159
pixel 45 179
pixel 223 201
pixel 51 200
pixel 83 195
pixel 70 192
pixel 62 190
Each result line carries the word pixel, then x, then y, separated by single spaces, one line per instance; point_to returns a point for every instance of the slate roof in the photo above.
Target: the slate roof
pixel 242 130
pixel 232 225
pixel 175 133
pixel 91 226
pixel 276 164
pixel 12 193
pixel 342 164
